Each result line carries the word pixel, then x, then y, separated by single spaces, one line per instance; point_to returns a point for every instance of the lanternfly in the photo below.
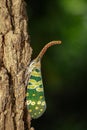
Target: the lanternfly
pixel 35 99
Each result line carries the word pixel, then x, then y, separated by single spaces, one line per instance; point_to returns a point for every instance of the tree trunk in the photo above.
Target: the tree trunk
pixel 15 54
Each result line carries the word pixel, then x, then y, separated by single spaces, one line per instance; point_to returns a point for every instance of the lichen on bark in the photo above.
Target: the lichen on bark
pixel 15 54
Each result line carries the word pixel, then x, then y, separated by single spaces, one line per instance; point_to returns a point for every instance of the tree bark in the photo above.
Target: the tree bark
pixel 15 54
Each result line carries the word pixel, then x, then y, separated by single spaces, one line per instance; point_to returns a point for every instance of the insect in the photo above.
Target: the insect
pixel 35 98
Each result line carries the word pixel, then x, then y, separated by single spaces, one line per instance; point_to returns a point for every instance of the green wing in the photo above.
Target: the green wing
pixel 35 94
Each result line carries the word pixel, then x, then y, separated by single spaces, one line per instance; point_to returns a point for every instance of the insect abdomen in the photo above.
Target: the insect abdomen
pixel 35 94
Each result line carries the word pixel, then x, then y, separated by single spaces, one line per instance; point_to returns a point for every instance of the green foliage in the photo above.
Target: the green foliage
pixel 64 67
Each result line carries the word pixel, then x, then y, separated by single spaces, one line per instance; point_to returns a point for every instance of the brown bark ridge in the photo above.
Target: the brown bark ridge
pixel 15 54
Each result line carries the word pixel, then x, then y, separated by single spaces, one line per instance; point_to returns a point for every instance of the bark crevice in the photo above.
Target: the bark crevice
pixel 9 8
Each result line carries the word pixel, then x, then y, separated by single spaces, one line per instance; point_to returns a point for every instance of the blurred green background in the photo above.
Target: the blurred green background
pixel 64 67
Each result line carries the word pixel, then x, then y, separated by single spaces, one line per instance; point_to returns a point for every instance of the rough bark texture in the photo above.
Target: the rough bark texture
pixel 15 53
